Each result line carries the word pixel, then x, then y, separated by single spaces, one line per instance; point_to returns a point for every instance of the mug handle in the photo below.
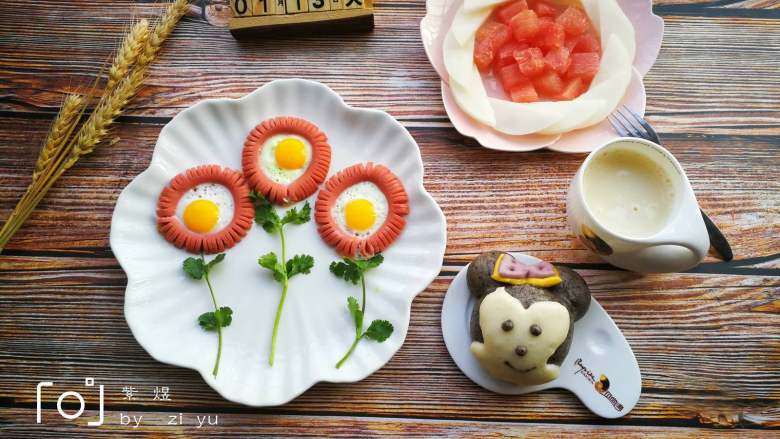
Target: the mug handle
pixel 691 233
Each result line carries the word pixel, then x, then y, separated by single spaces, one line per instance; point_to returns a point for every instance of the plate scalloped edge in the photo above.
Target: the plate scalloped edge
pixel 396 298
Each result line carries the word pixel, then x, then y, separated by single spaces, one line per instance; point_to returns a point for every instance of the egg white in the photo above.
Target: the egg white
pixel 365 190
pixel 216 193
pixel 271 168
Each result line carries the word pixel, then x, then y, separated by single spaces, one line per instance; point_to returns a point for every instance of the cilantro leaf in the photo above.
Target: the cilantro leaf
pixel 219 258
pixel 368 264
pixel 265 214
pixel 211 321
pixel 379 330
pixel 224 316
pixel 347 270
pixel 294 216
pixel 195 267
pixel 271 262
pixel 354 309
pixel 352 270
pixel 299 264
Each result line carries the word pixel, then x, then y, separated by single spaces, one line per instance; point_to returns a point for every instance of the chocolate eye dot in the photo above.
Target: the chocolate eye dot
pixel 521 351
pixel 536 329
pixel 507 325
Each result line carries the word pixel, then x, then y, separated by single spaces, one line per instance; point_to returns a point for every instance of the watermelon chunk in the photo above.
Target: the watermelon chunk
pixel 506 12
pixel 558 60
pixel 510 75
pixel 530 61
pixel 572 89
pixel 506 54
pixel 574 21
pixel 584 65
pixel 524 25
pixel 549 84
pixel 483 55
pixel 488 40
pixel 586 42
pixel 544 9
pixel 523 92
pixel 550 35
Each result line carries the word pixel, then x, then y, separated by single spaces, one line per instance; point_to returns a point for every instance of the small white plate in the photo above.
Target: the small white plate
pixel 597 348
pixel 162 304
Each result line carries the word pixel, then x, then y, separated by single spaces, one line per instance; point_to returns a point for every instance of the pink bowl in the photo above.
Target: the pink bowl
pixel 649 30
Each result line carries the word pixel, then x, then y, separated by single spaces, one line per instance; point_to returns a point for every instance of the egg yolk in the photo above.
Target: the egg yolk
pixel 290 154
pixel 201 216
pixel 359 215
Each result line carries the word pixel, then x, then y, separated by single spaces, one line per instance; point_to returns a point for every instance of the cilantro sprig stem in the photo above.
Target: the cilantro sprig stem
pixel 198 268
pixel 282 270
pixel 354 270
pixel 280 307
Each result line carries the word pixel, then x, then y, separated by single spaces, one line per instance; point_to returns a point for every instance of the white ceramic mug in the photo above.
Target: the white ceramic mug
pixel 678 243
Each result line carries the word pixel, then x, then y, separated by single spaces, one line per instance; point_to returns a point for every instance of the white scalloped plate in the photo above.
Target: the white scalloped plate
pixel 162 304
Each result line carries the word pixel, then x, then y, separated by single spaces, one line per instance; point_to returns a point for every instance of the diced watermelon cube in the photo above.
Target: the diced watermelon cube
pixel 549 84
pixel 506 12
pixel 530 61
pixel 524 25
pixel 510 75
pixel 523 92
pixel 544 9
pixel 584 65
pixel 574 21
pixel 558 60
pixel 483 55
pixel 572 89
pixel 506 54
pixel 495 32
pixel 586 42
pixel 550 35
pixel 489 38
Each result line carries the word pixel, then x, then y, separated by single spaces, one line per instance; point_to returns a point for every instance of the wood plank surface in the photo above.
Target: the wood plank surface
pixel 707 341
pixel 155 424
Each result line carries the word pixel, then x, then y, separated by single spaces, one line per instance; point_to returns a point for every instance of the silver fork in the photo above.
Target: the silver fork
pixel 627 123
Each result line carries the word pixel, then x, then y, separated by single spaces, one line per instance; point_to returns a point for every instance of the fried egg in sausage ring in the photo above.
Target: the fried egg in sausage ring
pixel 361 210
pixel 205 209
pixel 286 159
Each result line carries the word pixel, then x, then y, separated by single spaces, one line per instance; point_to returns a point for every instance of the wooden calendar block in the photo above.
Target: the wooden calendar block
pixel 297 6
pixel 263 7
pixel 241 8
pixel 305 16
pixel 319 5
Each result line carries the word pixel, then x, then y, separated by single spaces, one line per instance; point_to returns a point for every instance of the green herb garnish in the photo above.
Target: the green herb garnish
pixel 198 268
pixel 353 270
pixel 281 269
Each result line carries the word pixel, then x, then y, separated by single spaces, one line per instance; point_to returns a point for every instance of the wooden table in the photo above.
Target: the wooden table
pixel 707 341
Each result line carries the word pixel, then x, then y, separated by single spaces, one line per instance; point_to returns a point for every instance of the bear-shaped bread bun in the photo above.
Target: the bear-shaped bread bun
pixel 521 331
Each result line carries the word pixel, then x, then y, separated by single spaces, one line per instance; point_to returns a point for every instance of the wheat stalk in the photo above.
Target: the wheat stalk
pixel 127 53
pixel 140 47
pixel 60 130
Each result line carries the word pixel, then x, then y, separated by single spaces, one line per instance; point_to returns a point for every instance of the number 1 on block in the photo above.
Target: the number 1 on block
pixel 263 7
